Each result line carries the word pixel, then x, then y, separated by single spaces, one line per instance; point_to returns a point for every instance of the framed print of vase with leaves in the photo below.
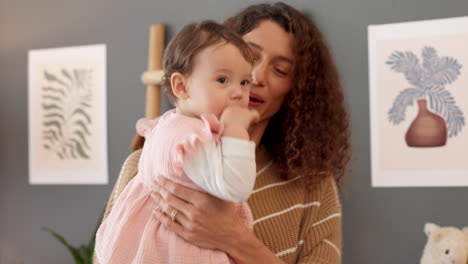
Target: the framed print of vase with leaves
pixel 67 115
pixel 418 85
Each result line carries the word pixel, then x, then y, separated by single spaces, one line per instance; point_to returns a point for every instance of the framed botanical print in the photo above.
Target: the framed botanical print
pixel 418 84
pixel 67 115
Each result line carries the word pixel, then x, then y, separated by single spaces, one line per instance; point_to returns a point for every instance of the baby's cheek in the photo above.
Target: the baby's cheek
pixel 246 99
pixel 245 102
pixel 216 106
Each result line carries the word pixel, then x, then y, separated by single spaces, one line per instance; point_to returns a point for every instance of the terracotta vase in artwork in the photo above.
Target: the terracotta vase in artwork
pixel 427 129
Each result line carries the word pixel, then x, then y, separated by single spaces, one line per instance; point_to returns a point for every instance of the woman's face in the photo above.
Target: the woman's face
pixel 272 73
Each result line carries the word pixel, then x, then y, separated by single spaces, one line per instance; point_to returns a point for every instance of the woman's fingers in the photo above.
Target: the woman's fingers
pixel 172 225
pixel 202 219
pixel 169 210
pixel 179 191
pixel 169 199
pixel 192 233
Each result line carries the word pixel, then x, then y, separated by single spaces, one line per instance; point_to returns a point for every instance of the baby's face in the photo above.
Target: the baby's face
pixel 221 77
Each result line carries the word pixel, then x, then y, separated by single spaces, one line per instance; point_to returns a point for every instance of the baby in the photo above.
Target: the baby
pixel 203 144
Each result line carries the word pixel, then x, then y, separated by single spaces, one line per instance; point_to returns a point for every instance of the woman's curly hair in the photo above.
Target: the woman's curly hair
pixel 310 134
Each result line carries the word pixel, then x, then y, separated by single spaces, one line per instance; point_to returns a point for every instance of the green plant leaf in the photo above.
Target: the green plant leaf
pixel 98 224
pixel 92 241
pixel 83 251
pixel 74 252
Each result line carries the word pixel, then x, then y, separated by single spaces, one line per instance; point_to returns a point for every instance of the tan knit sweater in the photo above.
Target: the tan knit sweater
pixel 299 226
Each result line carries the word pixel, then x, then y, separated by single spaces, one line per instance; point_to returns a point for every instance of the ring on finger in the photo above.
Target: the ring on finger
pixel 173 215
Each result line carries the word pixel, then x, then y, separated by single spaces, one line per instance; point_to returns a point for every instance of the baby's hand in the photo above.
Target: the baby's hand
pixel 239 116
pixel 237 119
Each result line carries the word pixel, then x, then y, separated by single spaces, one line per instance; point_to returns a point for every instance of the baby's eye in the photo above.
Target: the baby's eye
pixel 245 82
pixel 222 80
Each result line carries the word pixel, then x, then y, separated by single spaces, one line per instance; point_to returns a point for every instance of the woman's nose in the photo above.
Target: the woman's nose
pixel 259 74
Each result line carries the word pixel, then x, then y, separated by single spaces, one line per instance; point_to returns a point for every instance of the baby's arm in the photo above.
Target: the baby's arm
pixel 226 170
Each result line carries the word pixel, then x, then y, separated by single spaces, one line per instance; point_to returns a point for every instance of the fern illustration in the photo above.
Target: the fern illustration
pixel 66 103
pixel 428 80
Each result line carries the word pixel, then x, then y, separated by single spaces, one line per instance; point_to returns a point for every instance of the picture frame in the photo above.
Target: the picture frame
pixel 67 115
pixel 418 83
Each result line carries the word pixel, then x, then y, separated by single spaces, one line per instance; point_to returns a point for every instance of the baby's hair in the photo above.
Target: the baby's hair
pixel 189 41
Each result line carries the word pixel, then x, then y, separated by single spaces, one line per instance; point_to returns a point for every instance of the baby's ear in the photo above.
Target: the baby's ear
pixel 430 229
pixel 179 85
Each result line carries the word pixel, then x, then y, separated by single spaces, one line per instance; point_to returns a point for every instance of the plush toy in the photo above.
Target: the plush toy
pixel 445 245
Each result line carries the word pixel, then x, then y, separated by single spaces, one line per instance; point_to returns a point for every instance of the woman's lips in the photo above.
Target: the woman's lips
pixel 255 100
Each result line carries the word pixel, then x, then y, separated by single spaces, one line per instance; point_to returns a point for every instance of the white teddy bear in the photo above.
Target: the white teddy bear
pixel 445 245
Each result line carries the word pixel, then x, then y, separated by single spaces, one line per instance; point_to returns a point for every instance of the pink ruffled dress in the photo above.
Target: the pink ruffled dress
pixel 131 233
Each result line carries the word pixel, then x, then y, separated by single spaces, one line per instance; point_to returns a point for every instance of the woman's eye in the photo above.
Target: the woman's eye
pixel 222 79
pixel 245 82
pixel 281 72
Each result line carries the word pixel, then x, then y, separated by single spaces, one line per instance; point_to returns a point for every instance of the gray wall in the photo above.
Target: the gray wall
pixel 380 225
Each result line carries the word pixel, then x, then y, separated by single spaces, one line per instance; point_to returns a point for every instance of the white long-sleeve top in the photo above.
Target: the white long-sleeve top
pixel 225 170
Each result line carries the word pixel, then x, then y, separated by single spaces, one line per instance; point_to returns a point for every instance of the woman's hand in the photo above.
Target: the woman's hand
pixel 202 219
pixel 209 222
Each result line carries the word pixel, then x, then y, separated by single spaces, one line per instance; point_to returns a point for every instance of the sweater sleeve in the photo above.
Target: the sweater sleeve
pixel 225 170
pixel 322 241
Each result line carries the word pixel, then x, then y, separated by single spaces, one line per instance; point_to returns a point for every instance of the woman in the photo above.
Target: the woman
pixel 302 143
